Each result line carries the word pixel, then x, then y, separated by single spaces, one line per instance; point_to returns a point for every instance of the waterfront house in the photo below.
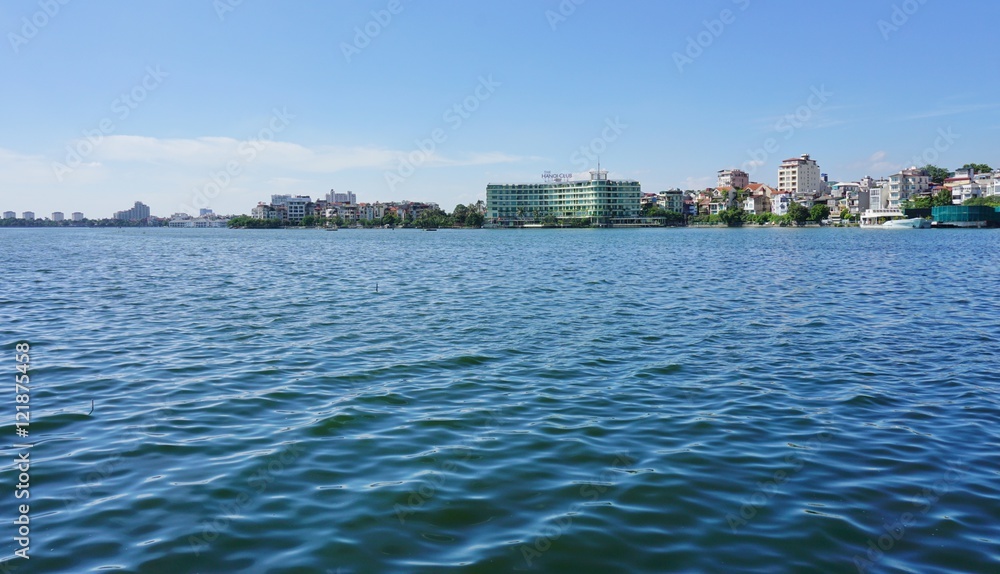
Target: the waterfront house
pixel 671 200
pixel 780 203
pixel 905 184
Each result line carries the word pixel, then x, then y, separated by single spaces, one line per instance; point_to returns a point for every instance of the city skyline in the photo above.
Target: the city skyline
pixel 396 100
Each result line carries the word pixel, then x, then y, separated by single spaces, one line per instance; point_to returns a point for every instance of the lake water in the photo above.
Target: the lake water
pixel 710 400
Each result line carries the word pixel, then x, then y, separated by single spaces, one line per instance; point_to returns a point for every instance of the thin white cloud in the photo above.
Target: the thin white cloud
pixel 24 169
pixel 217 152
pixel 804 117
pixel 697 183
pixel 177 173
pixel 951 111
pixel 876 165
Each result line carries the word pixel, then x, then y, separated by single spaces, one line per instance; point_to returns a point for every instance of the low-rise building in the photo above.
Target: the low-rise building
pixel 263 211
pixel 831 203
pixel 904 184
pixel 805 199
pixel 756 204
pixel 780 203
pixel 198 222
pixel 348 212
pixel 671 200
pixel 648 199
pixel 763 191
pixel 298 207
pixel 371 211
pixel 702 203
pixel 845 189
pixel 725 195
pixel 859 202
pixel 879 194
pixel 994 186
pixel 967 185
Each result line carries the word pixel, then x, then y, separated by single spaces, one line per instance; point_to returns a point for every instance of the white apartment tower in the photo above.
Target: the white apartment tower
pixel 799 175
pixel 348 198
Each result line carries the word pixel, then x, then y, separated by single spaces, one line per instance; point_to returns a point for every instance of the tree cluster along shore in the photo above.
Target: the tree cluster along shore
pixel 798 214
pixel 468 218
pixel 463 216
pixel 151 222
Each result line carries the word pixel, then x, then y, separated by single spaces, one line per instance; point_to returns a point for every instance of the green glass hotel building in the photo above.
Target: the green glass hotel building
pixel 605 202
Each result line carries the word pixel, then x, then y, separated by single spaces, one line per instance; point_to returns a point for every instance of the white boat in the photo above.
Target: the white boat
pixel 913 223
pixel 891 219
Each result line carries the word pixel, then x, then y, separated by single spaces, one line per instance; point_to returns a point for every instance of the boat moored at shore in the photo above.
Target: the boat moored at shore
pixel 891 219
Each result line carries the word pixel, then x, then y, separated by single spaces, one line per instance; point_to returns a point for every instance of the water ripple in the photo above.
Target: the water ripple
pixel 615 401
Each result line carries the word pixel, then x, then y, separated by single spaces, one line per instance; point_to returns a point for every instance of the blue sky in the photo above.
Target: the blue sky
pixel 189 103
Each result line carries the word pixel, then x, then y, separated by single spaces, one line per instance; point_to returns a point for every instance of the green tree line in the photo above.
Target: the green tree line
pixel 736 216
pixel 82 223
pixel 463 216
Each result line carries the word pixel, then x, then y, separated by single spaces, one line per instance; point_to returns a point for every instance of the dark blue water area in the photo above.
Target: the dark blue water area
pixel 703 400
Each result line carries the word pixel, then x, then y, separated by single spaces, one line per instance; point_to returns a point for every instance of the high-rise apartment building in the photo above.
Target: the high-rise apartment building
pixel 349 198
pixel 139 212
pixel 799 175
